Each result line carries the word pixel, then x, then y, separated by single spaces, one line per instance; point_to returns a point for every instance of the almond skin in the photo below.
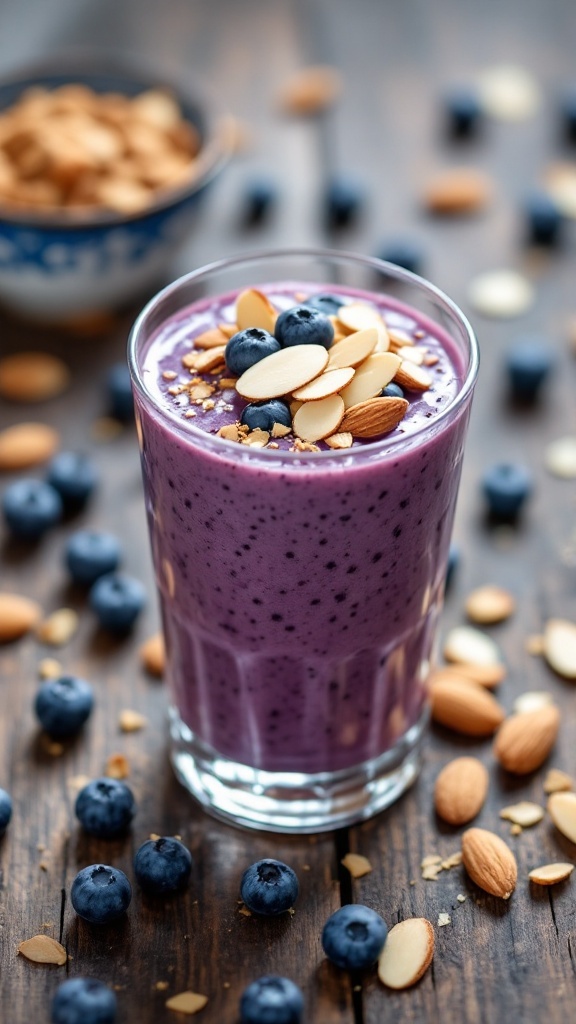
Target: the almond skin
pixel 525 740
pixel 460 790
pixel 466 707
pixel 489 862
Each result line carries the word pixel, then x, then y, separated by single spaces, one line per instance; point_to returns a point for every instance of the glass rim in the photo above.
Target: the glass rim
pixel 226 447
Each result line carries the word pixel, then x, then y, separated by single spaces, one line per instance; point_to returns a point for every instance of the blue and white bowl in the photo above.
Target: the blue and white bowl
pixel 58 266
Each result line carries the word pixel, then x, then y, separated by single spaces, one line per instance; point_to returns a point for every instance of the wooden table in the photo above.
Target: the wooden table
pixel 495 961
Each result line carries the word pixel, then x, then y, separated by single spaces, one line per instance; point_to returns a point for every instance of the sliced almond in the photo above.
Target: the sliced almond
pixel 328 383
pixel 525 740
pixel 17 616
pixel 32 377
pixel 27 444
pixel 358 316
pixel 283 372
pixel 486 675
pixel 357 865
pixel 187 1002
pixel 560 647
pixel 354 349
pixel 551 874
pixel 316 420
pixel 412 377
pixel 153 655
pixel 509 93
pixel 532 700
pixel 228 330
pixel 459 190
pixel 468 645
pixel 339 440
pixel 466 707
pixel 254 309
pixel 374 417
pixel 489 862
pixel 371 376
pixel 407 953
pixel 489 604
pixel 413 354
pixel 213 338
pixel 398 339
pixel 43 950
pixel 560 458
pixel 562 809
pixel 208 359
pixel 524 813
pixel 557 781
pixel 500 294
pixel 311 90
pixel 460 790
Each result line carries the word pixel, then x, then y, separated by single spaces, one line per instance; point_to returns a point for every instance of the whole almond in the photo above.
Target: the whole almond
pixel 376 416
pixel 460 790
pixel 26 445
pixel 525 740
pixel 17 616
pixel 459 190
pixel 489 862
pixel 465 707
pixel 32 376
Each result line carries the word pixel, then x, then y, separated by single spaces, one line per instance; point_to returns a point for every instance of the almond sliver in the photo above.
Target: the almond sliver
pixel 354 349
pixel 282 372
pixel 328 383
pixel 356 316
pixel 371 376
pixel 550 874
pixel 407 953
pixel 254 309
pixel 316 420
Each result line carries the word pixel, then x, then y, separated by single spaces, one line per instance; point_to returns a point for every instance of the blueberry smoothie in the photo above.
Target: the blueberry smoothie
pixel 300 576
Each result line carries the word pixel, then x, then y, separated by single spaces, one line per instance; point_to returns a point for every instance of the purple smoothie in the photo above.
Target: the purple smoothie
pixel 300 592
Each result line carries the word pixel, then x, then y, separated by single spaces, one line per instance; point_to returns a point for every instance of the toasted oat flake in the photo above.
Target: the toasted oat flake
pixel 560 457
pixel 489 604
pixel 131 721
pixel 452 861
pixel 407 953
pixel 280 430
pixel 560 647
pixel 500 294
pixel 316 420
pixel 444 919
pixel 117 767
pixel 557 781
pixel 187 1002
pixel 524 813
pixel 356 864
pixel 353 350
pixel 551 874
pixel 42 949
pixel 509 93
pixel 230 432
pixel 461 898
pixel 227 383
pixel 59 628
pixel 282 372
pixel 532 700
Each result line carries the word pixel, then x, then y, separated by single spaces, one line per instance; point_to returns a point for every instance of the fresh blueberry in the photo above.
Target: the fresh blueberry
pixel 568 113
pixel 119 390
pixel 74 476
pixel 403 253
pixel 326 302
pixel 392 391
pixel 264 415
pixel 354 936
pixel 528 363
pixel 83 1001
pixel 260 196
pixel 343 202
pixel 63 704
pixel 304 325
pixel 506 487
pixel 271 1000
pixel 31 507
pixel 269 887
pixel 162 865
pixel 248 347
pixel 452 565
pixel 105 808
pixel 5 810
pixel 117 600
pixel 544 220
pixel 90 554
pixel 463 112
pixel 100 893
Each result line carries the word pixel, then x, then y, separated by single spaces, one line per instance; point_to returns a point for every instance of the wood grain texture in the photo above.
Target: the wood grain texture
pixel 496 961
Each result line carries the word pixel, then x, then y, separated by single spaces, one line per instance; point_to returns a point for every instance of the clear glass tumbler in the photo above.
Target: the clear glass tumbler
pixel 300 591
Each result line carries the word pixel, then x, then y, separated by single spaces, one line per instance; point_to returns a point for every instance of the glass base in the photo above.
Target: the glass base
pixel 293 801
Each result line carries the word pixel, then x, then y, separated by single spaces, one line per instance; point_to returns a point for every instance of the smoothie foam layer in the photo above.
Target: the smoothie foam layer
pixel 300 593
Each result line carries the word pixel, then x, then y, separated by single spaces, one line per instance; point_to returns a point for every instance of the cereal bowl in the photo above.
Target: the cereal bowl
pixel 103 168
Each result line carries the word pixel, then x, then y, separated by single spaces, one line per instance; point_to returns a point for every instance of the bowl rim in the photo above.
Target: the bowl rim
pixel 80 65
